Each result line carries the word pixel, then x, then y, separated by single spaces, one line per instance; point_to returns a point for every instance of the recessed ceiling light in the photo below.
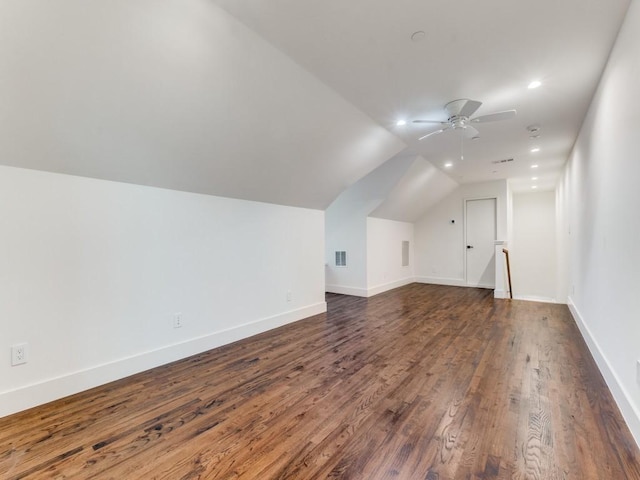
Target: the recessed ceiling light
pixel 448 165
pixel 535 150
pixel 534 186
pixel 534 84
pixel 534 178
pixel 534 166
pixel 401 123
pixel 417 36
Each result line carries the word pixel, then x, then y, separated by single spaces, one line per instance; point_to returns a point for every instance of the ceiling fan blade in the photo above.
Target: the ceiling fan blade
pixel 462 107
pixel 470 108
pixel 433 133
pixel 494 117
pixel 430 121
pixel 471 132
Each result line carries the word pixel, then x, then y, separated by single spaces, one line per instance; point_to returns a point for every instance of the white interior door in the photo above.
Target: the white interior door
pixel 480 242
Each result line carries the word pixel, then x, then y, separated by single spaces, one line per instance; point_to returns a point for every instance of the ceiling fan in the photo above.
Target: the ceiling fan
pixel 459 112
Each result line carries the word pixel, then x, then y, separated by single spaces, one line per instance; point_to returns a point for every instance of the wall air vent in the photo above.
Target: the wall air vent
pixel 405 253
pixel 506 160
pixel 341 258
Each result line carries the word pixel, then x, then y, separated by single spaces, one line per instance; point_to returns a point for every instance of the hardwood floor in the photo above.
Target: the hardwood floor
pixel 423 382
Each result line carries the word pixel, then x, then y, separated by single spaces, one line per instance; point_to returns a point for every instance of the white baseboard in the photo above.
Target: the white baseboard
pixel 482 285
pixel 500 293
pixel 452 282
pixel 343 290
pixel 620 394
pixel 55 388
pixel 534 298
pixel 389 286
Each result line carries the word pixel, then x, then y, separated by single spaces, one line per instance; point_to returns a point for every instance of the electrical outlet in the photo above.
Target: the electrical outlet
pixel 177 320
pixel 18 354
pixel 289 295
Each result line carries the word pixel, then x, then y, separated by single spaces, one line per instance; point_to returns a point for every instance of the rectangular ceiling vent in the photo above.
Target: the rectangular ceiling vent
pixel 506 160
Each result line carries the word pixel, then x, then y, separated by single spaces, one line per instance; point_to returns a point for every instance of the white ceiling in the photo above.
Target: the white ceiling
pixel 293 101
pixel 485 50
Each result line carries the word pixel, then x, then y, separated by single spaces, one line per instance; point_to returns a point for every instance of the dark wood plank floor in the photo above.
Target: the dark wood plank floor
pixel 423 382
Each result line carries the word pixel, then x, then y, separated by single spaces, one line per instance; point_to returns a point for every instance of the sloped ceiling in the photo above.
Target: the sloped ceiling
pixel 421 187
pixel 487 50
pixel 372 190
pixel 174 94
pixel 401 189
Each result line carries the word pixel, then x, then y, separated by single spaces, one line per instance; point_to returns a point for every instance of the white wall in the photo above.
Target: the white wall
pixel 509 237
pixel 598 199
pixel 346 225
pixel 533 249
pixel 91 272
pixel 345 232
pixel 384 255
pixel 439 244
pixel 563 254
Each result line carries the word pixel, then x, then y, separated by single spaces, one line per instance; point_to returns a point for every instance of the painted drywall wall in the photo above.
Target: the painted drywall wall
pixel 348 234
pixel 92 272
pixel 563 255
pixel 439 244
pixel 533 249
pixel 384 255
pixel 509 237
pixel 600 232
pixel 177 94
pixel 346 225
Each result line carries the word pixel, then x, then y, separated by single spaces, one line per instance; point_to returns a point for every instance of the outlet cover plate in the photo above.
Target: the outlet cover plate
pixel 18 354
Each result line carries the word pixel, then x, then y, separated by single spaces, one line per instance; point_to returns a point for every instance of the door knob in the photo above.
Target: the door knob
pixel 469 246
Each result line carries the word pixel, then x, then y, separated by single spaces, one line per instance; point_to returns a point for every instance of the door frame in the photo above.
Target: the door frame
pixel 464 240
